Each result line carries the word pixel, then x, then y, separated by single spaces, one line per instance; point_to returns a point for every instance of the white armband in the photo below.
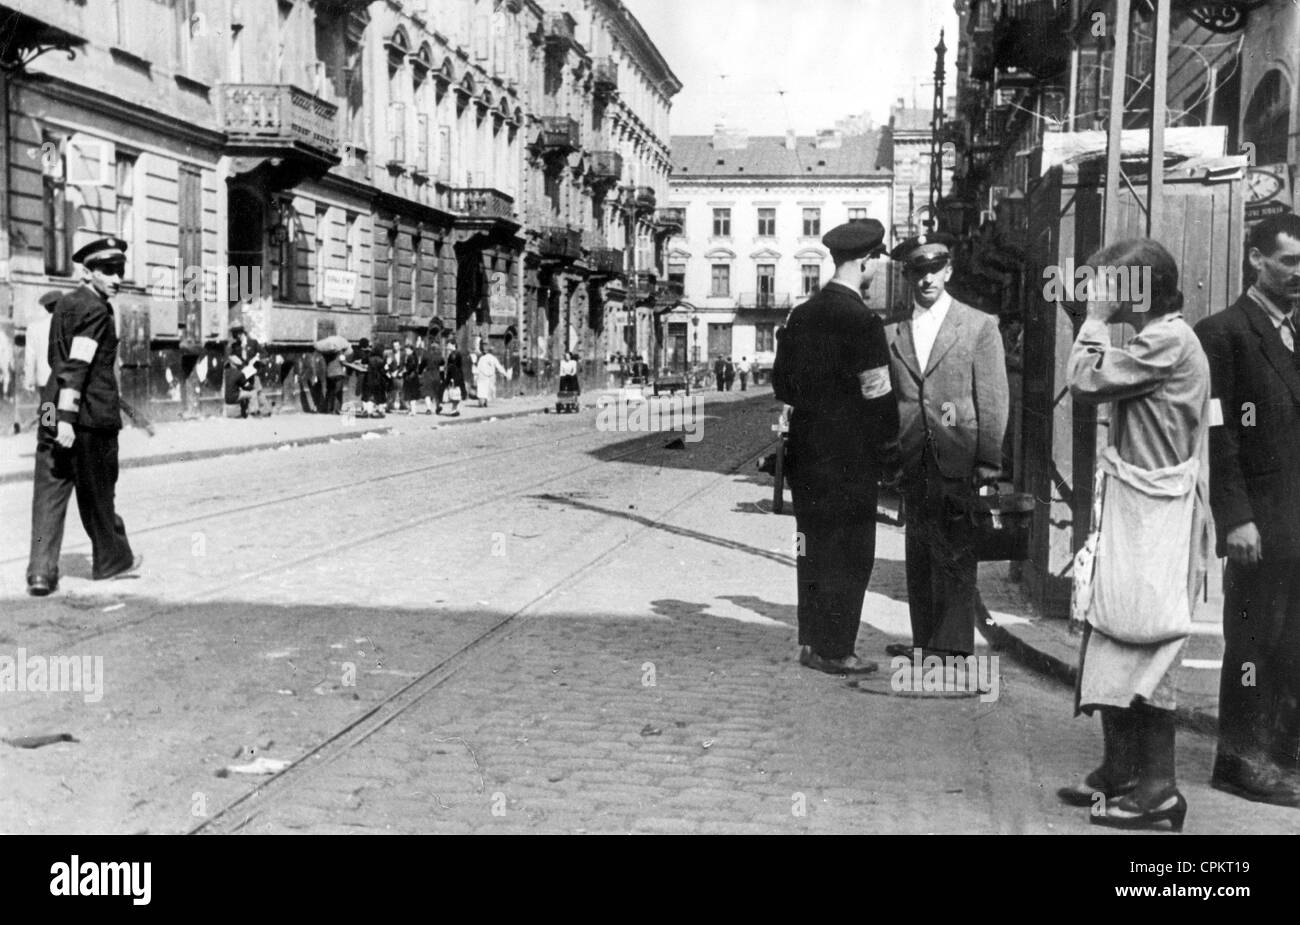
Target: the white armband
pixel 875 382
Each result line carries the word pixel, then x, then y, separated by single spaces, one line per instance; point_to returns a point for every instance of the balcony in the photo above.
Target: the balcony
pixel 482 206
pixel 560 243
pixel 608 261
pixel 670 221
pixel 669 291
pixel 1034 36
pixel 605 77
pixel 559 31
pixel 982 48
pixel 644 285
pixel 280 121
pixel 643 199
pixel 560 135
pixel 765 301
pixel 605 167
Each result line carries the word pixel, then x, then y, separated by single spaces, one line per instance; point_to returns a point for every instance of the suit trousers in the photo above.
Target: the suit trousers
pixel 89 468
pixel 1259 686
pixel 832 573
pixel 941 564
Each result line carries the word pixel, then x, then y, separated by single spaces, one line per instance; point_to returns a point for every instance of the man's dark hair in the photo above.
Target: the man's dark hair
pixel 1141 253
pixel 1263 236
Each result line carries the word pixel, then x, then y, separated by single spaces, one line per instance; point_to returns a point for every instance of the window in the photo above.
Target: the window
pixel 812 223
pixel 766 223
pixel 417 246
pixel 444 153
pixel 812 278
pixel 58 226
pixel 125 185
pixel 722 223
pixel 766 285
pixel 397 132
pixel 858 215
pixel 422 139
pixel 764 338
pixel 677 275
pixel 721 280
pixel 322 251
pixel 352 252
pixel 289 256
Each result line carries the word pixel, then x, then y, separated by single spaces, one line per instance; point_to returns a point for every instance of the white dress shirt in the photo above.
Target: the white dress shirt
pixel 925 326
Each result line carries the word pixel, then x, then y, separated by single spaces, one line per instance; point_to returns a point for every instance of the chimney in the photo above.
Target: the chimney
pixel 729 139
pixel 828 138
pixel 791 141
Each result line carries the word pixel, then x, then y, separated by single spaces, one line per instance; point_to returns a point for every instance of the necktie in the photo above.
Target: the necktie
pixel 1288 333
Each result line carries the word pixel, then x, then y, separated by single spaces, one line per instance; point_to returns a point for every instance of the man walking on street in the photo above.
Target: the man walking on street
pixel 81 415
pixel 832 368
pixel 1254 358
pixel 951 380
pixel 719 372
pixel 742 370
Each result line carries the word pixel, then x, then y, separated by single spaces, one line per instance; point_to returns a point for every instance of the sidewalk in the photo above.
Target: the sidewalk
pixel 185 441
pixel 1012 623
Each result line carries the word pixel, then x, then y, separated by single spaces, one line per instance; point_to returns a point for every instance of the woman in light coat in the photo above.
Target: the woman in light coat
pixel 486 368
pixel 1151 556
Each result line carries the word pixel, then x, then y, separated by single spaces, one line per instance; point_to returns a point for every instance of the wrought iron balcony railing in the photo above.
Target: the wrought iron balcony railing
pixel 1033 35
pixel 643 198
pixel 673 220
pixel 560 134
pixel 609 261
pixel 561 242
pixel 604 74
pixel 765 300
pixel 605 166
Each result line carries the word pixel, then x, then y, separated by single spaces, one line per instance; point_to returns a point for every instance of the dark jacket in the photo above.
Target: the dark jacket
pixel 82 353
pixel 1255 453
pixel 237 360
pixel 374 384
pixel 454 373
pixel 838 441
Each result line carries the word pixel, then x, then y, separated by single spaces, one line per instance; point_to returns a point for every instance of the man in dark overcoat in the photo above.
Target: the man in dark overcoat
pixel 832 368
pixel 1255 497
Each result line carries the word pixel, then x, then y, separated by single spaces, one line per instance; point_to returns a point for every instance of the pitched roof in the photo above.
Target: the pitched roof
pixel 767 156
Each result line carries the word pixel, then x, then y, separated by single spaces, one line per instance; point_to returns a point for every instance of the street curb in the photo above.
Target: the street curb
pixel 1003 639
pixel 140 462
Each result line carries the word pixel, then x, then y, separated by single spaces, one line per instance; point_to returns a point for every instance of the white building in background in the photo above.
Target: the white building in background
pixel 753 211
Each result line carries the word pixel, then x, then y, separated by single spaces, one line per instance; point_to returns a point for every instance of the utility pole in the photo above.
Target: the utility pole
pixel 936 131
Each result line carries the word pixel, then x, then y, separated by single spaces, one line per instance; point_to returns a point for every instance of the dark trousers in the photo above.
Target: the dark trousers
pixel 832 575
pixel 90 469
pixel 718 376
pixel 744 379
pixel 334 394
pixel 1259 686
pixel 941 564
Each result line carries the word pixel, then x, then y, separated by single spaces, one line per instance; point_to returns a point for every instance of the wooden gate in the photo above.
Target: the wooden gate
pixel 1205 233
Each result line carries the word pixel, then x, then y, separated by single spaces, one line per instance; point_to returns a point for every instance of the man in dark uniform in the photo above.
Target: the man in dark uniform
pixel 76 448
pixel 832 368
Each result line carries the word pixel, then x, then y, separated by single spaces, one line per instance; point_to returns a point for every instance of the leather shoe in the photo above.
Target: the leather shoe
pixel 804 653
pixel 1256 780
pixel 39 586
pixel 897 649
pixel 1084 793
pixel 850 664
pixel 130 571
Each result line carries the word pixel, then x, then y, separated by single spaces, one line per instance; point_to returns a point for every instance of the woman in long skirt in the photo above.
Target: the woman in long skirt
pixel 1151 556
pixel 486 368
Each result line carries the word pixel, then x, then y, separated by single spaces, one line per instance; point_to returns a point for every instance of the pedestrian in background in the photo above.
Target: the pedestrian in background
pixel 1151 557
pixel 832 368
pixel 569 373
pixel 411 377
pixel 336 374
pixel 243 385
pixel 719 372
pixel 742 370
pixel 430 378
pixel 486 369
pixel 81 415
pixel 453 381
pixel 394 366
pixel 951 383
pixel 1254 356
pixel 728 374
pixel 374 386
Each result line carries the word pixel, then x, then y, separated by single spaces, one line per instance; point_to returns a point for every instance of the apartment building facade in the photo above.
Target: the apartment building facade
pixel 752 212
pixel 367 169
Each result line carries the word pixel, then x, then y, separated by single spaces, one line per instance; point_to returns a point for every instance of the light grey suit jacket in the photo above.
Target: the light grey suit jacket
pixel 959 401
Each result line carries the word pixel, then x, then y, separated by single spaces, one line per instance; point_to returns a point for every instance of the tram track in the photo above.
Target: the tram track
pixel 243 811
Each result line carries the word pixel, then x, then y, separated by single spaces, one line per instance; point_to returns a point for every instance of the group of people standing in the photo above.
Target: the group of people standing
pixel 1204 428
pixel 725 372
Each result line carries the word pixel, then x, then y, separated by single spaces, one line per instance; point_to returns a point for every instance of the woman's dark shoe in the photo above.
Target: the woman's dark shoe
pixel 1131 813
pixel 1085 792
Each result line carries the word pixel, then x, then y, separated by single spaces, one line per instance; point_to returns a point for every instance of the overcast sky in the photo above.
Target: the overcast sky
pixel 831 58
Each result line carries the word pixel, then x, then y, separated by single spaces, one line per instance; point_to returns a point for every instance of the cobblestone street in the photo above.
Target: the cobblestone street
pixel 528 625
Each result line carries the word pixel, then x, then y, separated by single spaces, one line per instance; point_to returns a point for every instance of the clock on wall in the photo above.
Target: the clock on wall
pixel 1262 184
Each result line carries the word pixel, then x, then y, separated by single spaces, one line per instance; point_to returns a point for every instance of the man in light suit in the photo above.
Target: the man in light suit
pixel 1254 358
pixel 949 375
